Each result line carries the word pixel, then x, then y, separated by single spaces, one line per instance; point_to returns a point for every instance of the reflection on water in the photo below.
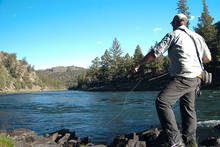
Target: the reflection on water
pixel 101 115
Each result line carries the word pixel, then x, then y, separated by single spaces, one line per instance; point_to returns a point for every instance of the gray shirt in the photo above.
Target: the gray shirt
pixel 182 52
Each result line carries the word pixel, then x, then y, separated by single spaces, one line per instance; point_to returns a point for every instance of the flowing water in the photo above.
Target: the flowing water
pixel 101 115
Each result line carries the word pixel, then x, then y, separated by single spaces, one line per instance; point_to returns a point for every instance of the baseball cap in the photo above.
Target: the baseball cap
pixel 180 17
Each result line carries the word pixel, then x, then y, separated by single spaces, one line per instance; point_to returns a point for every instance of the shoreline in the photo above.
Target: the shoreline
pixel 64 137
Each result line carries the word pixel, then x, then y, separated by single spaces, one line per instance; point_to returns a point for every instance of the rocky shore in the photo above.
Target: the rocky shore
pixel 66 138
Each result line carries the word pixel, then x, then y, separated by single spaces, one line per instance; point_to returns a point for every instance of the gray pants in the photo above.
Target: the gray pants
pixel 185 89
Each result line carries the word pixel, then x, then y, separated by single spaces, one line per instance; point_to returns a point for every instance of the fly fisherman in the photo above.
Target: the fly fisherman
pixel 185 69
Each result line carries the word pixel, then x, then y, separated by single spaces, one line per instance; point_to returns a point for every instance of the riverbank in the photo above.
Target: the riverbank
pixel 29 91
pixel 65 138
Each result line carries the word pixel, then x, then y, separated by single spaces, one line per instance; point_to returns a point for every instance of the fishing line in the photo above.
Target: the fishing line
pixel 124 103
pixel 126 97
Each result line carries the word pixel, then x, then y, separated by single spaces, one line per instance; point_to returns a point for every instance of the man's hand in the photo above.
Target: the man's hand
pixel 135 69
pixel 147 59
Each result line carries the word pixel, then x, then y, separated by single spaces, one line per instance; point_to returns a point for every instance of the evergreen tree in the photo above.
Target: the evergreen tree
pixel 209 33
pixel 94 69
pixel 138 54
pixel 116 52
pixel 127 64
pixel 218 29
pixel 182 8
pixel 105 69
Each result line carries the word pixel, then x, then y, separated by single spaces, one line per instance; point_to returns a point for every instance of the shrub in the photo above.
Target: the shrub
pixel 5 142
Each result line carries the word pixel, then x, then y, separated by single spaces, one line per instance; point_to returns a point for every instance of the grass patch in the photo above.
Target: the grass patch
pixel 5 142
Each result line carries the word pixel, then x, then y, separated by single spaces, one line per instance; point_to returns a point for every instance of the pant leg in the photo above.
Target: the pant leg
pixel 175 89
pixel 188 113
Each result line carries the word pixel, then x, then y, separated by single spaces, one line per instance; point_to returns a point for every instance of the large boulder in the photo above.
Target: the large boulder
pixel 142 139
pixel 25 137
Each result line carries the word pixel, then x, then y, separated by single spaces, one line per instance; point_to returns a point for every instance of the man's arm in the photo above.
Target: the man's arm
pixel 147 59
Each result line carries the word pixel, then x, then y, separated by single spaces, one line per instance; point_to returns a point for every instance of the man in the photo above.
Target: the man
pixel 185 69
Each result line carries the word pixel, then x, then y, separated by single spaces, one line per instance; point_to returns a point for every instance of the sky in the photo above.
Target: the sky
pixel 50 33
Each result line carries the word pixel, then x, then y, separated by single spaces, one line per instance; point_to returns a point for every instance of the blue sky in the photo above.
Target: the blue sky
pixel 51 33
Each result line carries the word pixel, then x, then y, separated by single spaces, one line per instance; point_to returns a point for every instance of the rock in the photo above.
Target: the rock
pixel 150 136
pixel 130 140
pixel 54 136
pixel 61 137
pixel 86 140
pixel 211 141
pixel 218 141
pixel 3 133
pixel 64 140
pixel 218 126
pixel 119 141
pixel 24 137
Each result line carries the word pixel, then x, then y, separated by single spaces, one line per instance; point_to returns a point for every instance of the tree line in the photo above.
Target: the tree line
pixel 114 68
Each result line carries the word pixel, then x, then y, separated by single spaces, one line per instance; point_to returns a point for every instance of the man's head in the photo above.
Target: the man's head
pixel 179 20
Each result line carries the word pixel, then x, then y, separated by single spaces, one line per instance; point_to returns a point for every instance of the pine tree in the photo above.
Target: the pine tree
pixel 182 8
pixel 127 64
pixel 105 69
pixel 94 69
pixel 138 54
pixel 116 52
pixel 209 33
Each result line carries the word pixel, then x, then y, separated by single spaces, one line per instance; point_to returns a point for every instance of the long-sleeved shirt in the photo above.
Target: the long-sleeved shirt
pixel 182 52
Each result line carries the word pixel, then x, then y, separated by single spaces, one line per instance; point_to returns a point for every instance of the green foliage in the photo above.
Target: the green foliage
pixel 114 68
pixel 65 77
pixel 3 77
pixel 51 83
pixel 19 85
pixel 209 33
pixel 16 74
pixel 218 29
pixel 27 81
pixel 115 54
pixel 182 8
pixel 138 54
pixel 5 142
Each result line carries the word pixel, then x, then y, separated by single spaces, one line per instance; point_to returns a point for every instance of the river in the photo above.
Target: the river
pixel 101 115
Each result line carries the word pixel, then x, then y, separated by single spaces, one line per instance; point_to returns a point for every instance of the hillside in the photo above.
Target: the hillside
pixel 17 75
pixel 67 76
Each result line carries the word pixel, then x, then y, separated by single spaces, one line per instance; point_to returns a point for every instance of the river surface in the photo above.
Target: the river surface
pixel 101 115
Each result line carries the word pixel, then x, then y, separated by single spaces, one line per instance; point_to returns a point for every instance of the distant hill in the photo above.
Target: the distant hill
pixel 65 75
pixel 17 75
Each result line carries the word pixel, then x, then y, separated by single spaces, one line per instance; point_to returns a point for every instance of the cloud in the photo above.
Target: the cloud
pixel 157 29
pixel 192 18
pixel 99 42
